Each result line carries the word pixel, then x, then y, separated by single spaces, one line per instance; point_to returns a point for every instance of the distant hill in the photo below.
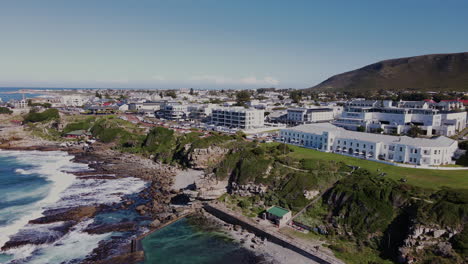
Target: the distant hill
pixel 435 72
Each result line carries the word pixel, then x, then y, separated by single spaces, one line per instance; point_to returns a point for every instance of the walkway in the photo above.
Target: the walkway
pixel 227 215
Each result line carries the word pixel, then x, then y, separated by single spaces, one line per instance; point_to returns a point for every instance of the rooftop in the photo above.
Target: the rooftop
pixel 277 211
pixel 339 132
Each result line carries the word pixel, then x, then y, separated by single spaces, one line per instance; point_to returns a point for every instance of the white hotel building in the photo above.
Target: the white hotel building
pixel 329 138
pixel 399 117
pixel 309 115
pixel 238 117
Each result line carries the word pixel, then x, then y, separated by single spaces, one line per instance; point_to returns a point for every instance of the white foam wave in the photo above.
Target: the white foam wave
pixel 75 245
pixel 98 191
pixel 48 165
pixel 67 191
pixel 24 172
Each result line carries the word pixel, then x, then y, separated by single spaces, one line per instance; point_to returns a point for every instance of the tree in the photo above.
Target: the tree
pixel 361 129
pixel 191 91
pixel 242 97
pixel 172 94
pixel 414 131
pixel 296 96
pixel 280 97
pixel 463 145
pixel 98 95
pixel 5 110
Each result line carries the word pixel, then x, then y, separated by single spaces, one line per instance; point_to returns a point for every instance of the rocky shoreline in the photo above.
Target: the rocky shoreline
pixel 152 204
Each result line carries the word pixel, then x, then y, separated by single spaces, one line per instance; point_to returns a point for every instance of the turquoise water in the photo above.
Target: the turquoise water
pixel 184 243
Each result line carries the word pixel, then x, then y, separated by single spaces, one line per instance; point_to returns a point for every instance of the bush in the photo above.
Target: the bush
pixel 463 145
pixel 81 125
pixel 111 130
pixel 47 115
pixel 364 203
pixel 5 110
pixel 161 142
pixel 460 242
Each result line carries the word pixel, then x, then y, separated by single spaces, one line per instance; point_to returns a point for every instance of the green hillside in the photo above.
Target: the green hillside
pixel 435 72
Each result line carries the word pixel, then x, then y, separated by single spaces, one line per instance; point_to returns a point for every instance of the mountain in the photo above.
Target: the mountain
pixel 434 72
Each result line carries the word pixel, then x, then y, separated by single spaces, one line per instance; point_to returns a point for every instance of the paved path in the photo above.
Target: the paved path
pixel 272 234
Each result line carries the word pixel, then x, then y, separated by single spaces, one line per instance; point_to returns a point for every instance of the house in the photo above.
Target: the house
pixel 77 134
pixel 16 122
pixel 278 215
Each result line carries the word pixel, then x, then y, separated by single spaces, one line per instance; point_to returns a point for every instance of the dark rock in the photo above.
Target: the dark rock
pixel 105 228
pixel 39 235
pixel 75 214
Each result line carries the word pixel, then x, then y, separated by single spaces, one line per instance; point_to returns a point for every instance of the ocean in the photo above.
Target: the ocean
pixel 7 94
pixel 34 181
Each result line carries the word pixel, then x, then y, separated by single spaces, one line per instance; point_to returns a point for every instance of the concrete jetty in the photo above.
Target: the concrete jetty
pixel 229 216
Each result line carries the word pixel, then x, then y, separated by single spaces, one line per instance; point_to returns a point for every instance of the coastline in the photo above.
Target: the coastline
pixel 152 204
pixel 106 164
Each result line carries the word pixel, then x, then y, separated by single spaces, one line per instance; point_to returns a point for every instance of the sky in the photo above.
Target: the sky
pixel 213 43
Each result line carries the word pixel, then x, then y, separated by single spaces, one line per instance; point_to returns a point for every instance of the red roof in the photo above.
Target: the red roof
pixel 106 103
pixel 465 102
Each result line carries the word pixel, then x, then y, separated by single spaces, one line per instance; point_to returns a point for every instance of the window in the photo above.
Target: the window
pixel 357 145
pixel 401 148
pixel 371 147
pixel 415 151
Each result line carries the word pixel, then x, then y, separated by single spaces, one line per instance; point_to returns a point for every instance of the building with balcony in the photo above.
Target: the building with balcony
pixel 399 117
pixel 238 117
pixel 174 111
pixel 309 115
pixel 402 149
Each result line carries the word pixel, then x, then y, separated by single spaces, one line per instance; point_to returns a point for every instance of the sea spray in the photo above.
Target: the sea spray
pixel 59 189
pixel 49 165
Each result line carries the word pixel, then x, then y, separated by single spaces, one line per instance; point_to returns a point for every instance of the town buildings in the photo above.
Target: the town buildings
pixel 329 138
pixel 174 111
pixel 309 115
pixel 399 117
pixel 238 117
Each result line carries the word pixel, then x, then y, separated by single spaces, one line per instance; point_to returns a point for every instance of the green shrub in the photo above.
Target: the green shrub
pixel 460 242
pixel 450 208
pixel 81 125
pixel 114 130
pixel 5 110
pixel 161 142
pixel 47 115
pixel 364 203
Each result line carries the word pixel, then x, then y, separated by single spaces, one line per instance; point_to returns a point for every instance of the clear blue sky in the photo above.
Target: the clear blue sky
pixel 214 43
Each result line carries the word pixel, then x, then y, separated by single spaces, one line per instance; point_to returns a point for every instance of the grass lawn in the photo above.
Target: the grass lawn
pixel 346 251
pixel 426 178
